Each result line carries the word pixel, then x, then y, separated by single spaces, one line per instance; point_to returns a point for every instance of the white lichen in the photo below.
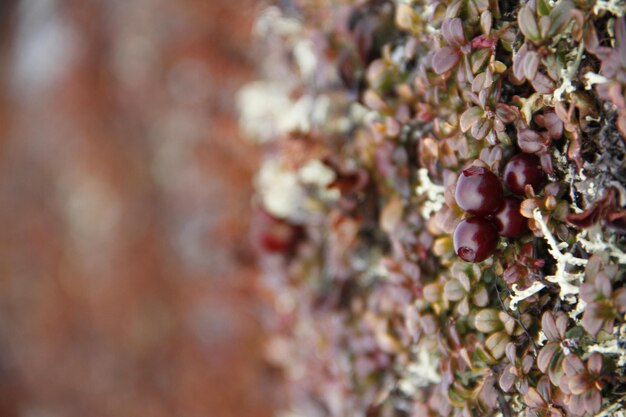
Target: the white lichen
pixel 519 295
pixel 568 282
pixel 434 194
pixel 610 347
pixel 569 73
pixel 279 189
pixel 597 245
pixel 305 57
pixel 616 7
pixel 420 373
pixel 592 78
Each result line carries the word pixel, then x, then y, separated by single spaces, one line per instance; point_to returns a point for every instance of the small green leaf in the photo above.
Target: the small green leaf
pixel 479 58
pixel 543 8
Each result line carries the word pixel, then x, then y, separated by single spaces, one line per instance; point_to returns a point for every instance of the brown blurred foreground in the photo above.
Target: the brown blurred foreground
pixel 126 278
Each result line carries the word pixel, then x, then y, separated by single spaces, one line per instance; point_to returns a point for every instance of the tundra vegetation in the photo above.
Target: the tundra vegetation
pixel 441 205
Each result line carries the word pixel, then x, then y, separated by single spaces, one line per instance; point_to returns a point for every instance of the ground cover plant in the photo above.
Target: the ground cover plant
pixel 441 205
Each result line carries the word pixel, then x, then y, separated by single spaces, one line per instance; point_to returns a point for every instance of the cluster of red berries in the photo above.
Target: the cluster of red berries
pixel 479 192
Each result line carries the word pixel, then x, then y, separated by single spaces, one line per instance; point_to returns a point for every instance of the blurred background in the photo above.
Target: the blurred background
pixel 127 282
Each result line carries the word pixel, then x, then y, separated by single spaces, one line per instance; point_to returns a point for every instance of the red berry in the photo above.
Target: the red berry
pixel 475 239
pixel 277 240
pixel 523 169
pixel 276 235
pixel 478 191
pixel 508 220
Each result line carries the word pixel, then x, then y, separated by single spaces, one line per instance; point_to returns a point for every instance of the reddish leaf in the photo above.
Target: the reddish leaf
pixel 527 23
pixel 603 284
pixel 573 365
pixel 544 389
pixel 531 64
pixel 542 83
pixel 546 354
pixel 511 353
pixel 533 399
pixel 555 372
pixel 548 324
pixel 591 322
pixel 592 402
pixel 518 62
pixel 445 59
pixel 619 300
pixel 530 141
pixel 480 129
pixel 594 363
pixel 507 379
pixel 620 39
pixel 579 384
pixel 507 113
pixel 560 15
pixel 591 39
pixel 452 31
pixel 470 117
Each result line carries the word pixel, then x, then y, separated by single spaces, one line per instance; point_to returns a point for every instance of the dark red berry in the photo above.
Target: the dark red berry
pixel 478 191
pixel 475 239
pixel 508 220
pixel 276 235
pixel 523 169
pixel 278 239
